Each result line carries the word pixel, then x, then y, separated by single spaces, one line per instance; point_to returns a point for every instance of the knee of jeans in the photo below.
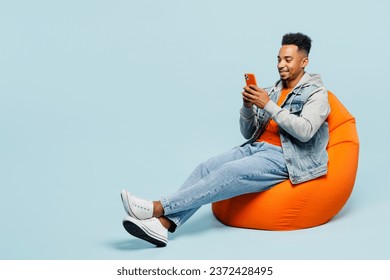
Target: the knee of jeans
pixel 204 168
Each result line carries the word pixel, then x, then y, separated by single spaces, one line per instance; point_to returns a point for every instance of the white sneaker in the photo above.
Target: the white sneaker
pixel 150 230
pixel 137 207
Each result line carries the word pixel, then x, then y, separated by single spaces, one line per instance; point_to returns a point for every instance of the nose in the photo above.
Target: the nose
pixel 281 65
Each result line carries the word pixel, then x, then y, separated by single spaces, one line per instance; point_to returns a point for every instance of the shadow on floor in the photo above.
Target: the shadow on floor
pixel 200 223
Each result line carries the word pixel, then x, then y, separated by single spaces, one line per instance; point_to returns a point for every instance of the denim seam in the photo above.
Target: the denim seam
pixel 260 173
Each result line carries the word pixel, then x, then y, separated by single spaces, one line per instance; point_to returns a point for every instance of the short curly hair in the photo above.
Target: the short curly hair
pixel 302 41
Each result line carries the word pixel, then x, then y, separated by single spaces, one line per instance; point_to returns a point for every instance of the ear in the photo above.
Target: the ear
pixel 305 62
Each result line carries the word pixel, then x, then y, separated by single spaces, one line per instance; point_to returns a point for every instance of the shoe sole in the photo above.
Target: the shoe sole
pixel 144 233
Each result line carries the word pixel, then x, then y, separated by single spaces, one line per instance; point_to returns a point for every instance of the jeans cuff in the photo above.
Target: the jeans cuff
pixel 165 205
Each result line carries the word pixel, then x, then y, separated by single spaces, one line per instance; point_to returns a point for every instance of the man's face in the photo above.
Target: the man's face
pixel 291 63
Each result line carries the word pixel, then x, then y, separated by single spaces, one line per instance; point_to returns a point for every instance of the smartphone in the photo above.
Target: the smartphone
pixel 250 79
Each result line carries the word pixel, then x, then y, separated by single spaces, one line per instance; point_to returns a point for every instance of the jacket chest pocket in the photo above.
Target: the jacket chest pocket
pixel 295 107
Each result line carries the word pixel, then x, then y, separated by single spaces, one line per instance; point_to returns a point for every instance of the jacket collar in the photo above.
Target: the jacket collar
pixel 306 80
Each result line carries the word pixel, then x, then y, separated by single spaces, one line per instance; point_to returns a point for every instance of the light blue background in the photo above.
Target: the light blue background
pixel 96 96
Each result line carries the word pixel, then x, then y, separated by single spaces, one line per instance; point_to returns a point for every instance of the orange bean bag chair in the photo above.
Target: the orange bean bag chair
pixel 309 204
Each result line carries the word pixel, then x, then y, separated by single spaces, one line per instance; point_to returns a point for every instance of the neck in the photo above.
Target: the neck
pixel 292 83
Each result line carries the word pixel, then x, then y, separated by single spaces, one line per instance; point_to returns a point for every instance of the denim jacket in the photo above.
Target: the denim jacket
pixel 303 129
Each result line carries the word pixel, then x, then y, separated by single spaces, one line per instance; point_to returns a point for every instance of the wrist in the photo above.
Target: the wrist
pixel 247 104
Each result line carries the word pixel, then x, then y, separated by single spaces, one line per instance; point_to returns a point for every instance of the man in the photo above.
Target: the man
pixel 288 134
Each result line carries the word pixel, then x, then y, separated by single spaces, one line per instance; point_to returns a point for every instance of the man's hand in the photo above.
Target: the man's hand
pixel 254 95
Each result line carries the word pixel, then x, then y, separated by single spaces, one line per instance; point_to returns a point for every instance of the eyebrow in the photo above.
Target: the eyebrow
pixel 286 57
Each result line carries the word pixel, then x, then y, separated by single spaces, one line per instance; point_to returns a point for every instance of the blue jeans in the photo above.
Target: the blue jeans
pixel 252 168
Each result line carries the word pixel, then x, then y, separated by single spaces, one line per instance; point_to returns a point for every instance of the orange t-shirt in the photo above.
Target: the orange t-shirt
pixel 271 133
